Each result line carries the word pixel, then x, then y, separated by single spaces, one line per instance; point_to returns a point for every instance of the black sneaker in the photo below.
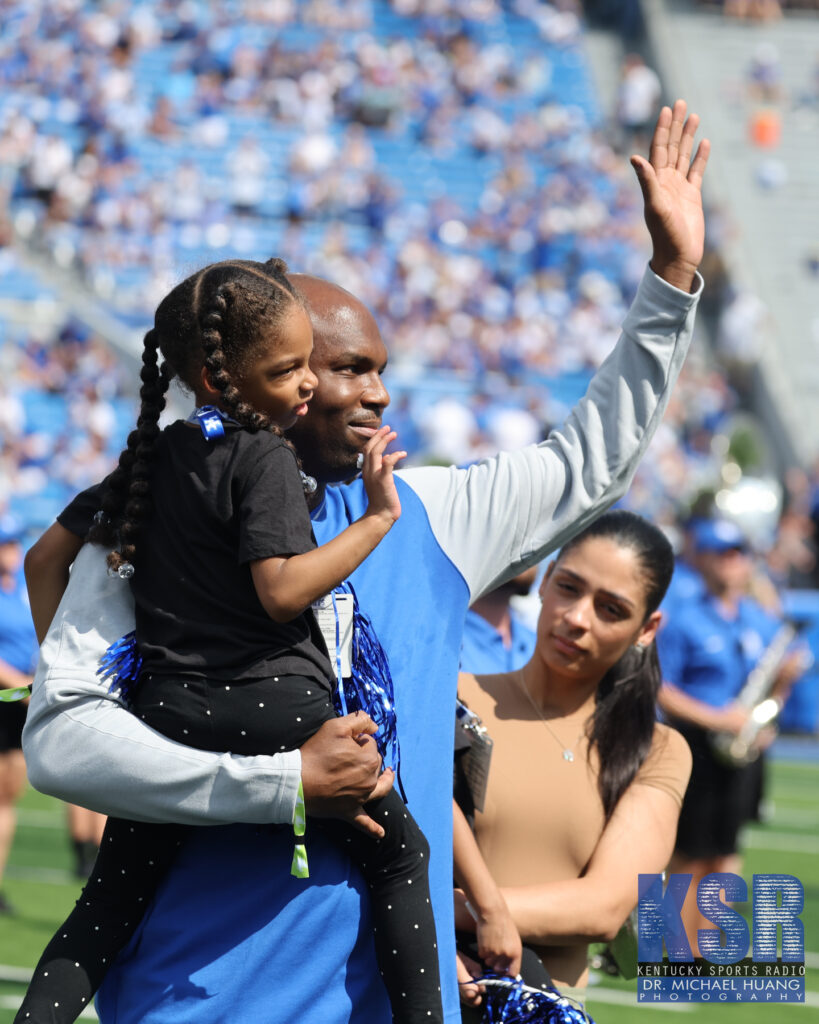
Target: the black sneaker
pixel 6 907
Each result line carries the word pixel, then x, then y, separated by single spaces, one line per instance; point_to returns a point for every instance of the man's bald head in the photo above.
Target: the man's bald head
pixel 328 303
pixel 348 359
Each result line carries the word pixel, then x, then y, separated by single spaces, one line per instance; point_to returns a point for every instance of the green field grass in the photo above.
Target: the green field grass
pixel 40 885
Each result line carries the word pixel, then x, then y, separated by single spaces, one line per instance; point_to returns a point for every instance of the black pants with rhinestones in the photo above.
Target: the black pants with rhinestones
pixel 262 716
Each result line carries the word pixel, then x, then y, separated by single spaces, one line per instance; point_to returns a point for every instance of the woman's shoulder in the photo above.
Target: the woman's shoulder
pixel 481 693
pixel 483 683
pixel 669 745
pixel 668 763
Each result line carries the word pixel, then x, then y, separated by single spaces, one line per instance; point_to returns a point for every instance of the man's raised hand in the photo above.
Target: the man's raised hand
pixel 671 185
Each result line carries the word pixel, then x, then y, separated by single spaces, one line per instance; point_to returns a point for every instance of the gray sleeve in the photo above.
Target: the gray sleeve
pixel 505 513
pixel 82 745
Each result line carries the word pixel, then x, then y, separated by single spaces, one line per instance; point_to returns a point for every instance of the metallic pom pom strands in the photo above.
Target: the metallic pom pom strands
pixel 122 664
pixel 370 688
pixel 510 1001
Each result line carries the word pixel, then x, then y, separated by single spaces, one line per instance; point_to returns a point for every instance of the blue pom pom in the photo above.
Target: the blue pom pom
pixel 510 1001
pixel 122 664
pixel 370 688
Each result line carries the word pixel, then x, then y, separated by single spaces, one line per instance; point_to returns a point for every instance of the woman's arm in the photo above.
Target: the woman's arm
pixel 288 586
pixel 638 839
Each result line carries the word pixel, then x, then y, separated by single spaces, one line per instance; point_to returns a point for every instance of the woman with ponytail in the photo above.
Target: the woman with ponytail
pixel 585 786
pixel 208 524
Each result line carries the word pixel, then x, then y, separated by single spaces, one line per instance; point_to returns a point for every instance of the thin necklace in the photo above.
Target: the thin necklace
pixel 568 753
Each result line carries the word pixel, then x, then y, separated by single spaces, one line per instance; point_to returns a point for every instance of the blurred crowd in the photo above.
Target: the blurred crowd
pixel 64 408
pixel 442 159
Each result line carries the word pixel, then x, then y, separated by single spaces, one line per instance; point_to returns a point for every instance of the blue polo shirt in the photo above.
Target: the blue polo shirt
pixel 709 656
pixel 686 585
pixel 18 641
pixel 484 652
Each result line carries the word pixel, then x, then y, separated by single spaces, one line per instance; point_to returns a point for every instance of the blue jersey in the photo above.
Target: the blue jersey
pixel 483 651
pixel 709 656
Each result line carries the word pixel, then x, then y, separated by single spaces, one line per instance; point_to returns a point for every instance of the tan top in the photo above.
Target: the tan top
pixel 543 816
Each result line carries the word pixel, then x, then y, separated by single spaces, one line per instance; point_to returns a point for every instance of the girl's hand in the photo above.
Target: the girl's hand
pixel 671 182
pixel 499 945
pixel 467 969
pixel 377 473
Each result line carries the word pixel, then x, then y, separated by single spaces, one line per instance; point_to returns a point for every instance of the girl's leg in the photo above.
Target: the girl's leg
pixel 396 870
pixel 255 716
pixel 132 860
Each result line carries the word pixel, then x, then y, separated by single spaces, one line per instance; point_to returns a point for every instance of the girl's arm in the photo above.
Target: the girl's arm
pixel 638 839
pixel 46 566
pixel 84 746
pixel 288 586
pixel 499 944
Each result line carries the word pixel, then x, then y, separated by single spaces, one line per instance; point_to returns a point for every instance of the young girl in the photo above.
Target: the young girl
pixel 215 538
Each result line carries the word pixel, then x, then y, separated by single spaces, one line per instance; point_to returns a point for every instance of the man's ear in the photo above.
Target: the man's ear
pixel 207 384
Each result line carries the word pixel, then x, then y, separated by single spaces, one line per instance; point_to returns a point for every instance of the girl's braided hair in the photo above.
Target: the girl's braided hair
pixel 216 319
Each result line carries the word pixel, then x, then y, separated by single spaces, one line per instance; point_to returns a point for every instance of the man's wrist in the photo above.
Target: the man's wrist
pixel 678 273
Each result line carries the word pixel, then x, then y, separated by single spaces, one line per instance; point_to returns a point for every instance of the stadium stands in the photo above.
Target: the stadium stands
pixel 447 168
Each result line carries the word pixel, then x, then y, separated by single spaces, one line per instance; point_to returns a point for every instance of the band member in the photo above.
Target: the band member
pixel 707 649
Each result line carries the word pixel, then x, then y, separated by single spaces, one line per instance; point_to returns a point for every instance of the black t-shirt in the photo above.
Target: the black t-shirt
pixel 218 505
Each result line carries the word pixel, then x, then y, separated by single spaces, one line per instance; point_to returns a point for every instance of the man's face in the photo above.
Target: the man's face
pixel 11 556
pixel 348 360
pixel 725 572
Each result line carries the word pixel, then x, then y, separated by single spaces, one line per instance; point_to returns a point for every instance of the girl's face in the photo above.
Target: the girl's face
pixel 593 610
pixel 278 381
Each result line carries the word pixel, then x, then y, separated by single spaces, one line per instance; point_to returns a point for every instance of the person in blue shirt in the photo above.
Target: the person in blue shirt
pixel 267 950
pixel 707 649
pixel 686 582
pixel 495 638
pixel 18 655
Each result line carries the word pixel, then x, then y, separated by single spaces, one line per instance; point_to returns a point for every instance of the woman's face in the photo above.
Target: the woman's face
pixel 593 610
